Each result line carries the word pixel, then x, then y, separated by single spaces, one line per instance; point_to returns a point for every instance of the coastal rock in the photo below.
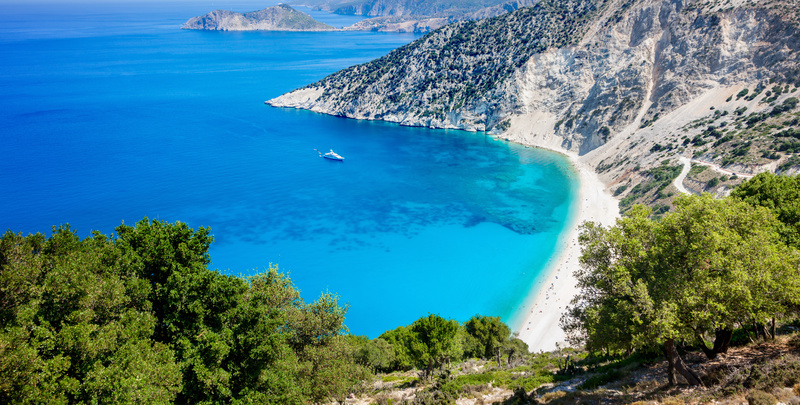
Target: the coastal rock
pixel 277 18
pixel 415 24
pixel 418 16
pixel 424 24
pixel 430 8
pixel 593 77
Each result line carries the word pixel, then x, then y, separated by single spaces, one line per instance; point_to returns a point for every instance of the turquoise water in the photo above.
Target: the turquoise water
pixel 110 113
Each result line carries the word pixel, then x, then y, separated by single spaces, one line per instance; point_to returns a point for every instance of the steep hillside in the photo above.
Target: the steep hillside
pixel 277 18
pixel 420 16
pixel 455 77
pixel 385 8
pixel 615 81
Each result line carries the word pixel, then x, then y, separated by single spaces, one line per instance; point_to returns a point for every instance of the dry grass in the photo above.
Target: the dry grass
pixel 552 395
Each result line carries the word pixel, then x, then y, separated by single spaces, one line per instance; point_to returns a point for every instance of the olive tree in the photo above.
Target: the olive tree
pixel 702 269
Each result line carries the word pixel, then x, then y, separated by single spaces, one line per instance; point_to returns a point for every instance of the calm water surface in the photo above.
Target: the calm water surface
pixel 110 113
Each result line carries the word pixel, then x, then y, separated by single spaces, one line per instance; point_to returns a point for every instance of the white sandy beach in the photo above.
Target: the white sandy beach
pixel 540 329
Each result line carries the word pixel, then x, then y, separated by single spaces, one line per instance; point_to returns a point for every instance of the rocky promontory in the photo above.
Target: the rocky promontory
pixel 277 18
pixel 633 87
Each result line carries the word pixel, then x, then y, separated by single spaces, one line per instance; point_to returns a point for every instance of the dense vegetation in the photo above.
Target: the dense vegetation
pixel 710 267
pixel 139 317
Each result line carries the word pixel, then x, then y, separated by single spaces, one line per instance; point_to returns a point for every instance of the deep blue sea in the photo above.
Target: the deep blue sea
pixel 110 113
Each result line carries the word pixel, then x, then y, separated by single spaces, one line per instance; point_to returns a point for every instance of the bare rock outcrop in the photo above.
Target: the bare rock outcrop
pixel 584 70
pixel 277 18
pixel 627 85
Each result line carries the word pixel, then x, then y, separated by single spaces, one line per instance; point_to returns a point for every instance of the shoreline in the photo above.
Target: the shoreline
pixel 548 300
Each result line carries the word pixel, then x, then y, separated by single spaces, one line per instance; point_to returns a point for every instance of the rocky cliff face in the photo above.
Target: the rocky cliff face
pixel 416 24
pixel 420 16
pixel 277 18
pixel 424 24
pixel 595 77
pixel 394 8
pixel 464 75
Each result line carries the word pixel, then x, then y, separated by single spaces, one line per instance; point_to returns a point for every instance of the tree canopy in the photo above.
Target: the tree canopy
pixel 490 334
pixel 710 265
pixel 781 195
pixel 139 317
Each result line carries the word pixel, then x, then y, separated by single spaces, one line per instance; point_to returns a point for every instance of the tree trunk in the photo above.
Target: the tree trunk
pixel 761 330
pixel 498 358
pixel 670 369
pixel 772 329
pixel 711 354
pixel 722 341
pixel 675 363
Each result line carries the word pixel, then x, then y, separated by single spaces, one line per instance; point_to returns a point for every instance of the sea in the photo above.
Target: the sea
pixel 110 113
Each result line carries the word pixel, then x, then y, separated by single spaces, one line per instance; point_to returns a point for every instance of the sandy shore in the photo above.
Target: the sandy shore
pixel 540 329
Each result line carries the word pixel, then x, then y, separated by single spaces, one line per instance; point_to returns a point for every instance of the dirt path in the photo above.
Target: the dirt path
pixel 687 165
pixel 678 182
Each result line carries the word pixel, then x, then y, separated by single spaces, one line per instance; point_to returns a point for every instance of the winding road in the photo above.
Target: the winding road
pixel 687 165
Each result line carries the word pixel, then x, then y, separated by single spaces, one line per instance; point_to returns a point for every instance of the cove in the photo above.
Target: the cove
pixel 111 113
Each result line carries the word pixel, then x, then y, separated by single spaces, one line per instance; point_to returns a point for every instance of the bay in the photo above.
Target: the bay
pixel 110 113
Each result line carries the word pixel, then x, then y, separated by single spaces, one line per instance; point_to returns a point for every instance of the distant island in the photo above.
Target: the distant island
pixel 419 16
pixel 276 18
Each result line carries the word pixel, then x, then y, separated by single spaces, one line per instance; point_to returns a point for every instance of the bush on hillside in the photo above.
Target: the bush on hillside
pixel 757 397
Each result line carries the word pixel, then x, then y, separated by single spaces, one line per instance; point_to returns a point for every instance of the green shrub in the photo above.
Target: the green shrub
pixel 742 93
pixel 761 398
pixel 782 372
pixel 504 378
pixel 697 169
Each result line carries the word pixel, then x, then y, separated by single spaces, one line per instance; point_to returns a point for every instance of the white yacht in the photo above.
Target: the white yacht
pixel 333 156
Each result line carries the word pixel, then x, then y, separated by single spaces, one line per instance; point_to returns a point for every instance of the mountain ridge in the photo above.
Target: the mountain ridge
pixel 431 8
pixel 606 80
pixel 419 16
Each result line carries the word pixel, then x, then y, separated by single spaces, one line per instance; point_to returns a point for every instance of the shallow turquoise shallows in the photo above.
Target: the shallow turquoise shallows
pixel 111 113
